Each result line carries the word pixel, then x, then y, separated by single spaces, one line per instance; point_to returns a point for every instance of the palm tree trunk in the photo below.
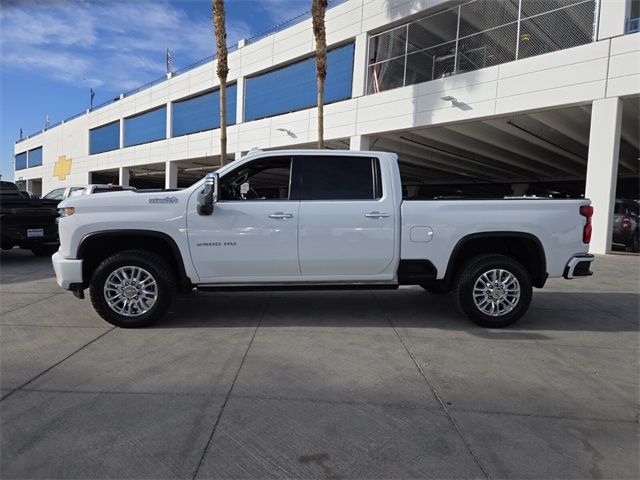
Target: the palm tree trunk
pixel 318 9
pixel 220 30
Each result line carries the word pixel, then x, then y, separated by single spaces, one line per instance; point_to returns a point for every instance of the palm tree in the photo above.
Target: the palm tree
pixel 220 30
pixel 318 9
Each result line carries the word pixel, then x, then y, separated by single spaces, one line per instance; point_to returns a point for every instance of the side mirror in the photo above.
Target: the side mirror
pixel 210 194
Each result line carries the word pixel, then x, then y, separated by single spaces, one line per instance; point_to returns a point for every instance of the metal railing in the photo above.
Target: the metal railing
pixel 474 35
pixel 231 48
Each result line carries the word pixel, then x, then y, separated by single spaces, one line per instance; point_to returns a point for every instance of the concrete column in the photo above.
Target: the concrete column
pixel 359 65
pixel 359 142
pixel 613 16
pixel 122 133
pixel 170 174
pixel 124 176
pixel 169 119
pixel 240 100
pixel 602 168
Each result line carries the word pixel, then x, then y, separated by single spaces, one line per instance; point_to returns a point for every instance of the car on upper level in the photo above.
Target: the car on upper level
pixel 315 219
pixel 72 191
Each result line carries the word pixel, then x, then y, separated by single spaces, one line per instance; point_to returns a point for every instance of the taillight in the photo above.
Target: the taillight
pixel 626 222
pixel 587 212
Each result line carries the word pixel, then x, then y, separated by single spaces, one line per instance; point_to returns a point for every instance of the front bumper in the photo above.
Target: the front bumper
pixel 68 271
pixel 579 266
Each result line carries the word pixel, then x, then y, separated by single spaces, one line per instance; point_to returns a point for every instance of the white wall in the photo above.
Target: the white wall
pixel 605 69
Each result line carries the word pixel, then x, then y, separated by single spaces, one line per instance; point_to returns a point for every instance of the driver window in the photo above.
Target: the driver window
pixel 261 179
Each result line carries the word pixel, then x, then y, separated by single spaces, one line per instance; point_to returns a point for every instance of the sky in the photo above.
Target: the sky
pixel 52 52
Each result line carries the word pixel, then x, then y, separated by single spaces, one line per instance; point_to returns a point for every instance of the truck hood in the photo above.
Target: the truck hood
pixel 127 200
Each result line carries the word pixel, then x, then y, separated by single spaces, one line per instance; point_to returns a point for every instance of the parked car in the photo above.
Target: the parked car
pixel 626 224
pixel 66 192
pixel 27 222
pixel 315 220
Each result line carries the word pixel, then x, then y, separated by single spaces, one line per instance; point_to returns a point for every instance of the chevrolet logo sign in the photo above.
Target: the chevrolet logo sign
pixel 62 167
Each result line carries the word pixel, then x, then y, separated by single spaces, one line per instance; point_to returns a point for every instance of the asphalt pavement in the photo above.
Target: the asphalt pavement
pixel 339 384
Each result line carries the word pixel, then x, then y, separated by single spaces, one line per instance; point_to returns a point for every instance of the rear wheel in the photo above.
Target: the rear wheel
pixel 493 290
pixel 133 288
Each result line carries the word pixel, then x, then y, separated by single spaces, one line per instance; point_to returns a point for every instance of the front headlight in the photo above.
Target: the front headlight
pixel 66 212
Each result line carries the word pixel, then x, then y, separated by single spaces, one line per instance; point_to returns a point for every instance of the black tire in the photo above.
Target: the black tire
pixel 437 288
pixel 155 266
pixel 470 274
pixel 44 250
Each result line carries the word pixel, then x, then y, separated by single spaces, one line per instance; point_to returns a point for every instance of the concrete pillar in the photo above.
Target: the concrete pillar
pixel 122 133
pixel 170 174
pixel 602 168
pixel 613 16
pixel 359 142
pixel 359 65
pixel 169 119
pixel 240 100
pixel 123 176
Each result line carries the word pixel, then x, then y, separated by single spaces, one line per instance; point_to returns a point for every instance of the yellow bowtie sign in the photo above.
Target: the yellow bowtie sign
pixel 62 167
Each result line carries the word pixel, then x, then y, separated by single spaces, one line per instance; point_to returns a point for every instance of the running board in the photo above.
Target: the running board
pixel 297 287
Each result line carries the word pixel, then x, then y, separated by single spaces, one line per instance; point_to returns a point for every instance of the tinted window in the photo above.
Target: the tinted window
pixel 293 87
pixel 337 178
pixel 146 127
pixel 105 138
pixel 202 113
pixel 21 161
pixel 262 179
pixel 35 157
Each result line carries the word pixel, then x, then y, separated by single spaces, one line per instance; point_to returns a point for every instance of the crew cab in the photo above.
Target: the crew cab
pixel 315 219
pixel 26 222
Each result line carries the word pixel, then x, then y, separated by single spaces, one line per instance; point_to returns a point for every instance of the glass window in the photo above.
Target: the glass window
pixel 21 160
pixel 146 127
pixel 337 178
pixel 35 157
pixel 57 194
pixel 262 179
pixel 104 138
pixel 293 87
pixel 202 113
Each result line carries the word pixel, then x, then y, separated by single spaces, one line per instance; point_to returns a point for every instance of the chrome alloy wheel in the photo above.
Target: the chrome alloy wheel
pixel 496 292
pixel 130 291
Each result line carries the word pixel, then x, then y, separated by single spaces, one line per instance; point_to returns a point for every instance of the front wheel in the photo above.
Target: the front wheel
pixel 133 288
pixel 493 290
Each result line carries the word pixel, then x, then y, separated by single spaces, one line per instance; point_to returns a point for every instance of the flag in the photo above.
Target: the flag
pixel 20 134
pixel 91 95
pixel 169 61
pixel 46 122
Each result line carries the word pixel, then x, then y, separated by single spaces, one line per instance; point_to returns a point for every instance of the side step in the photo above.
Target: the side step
pixel 297 287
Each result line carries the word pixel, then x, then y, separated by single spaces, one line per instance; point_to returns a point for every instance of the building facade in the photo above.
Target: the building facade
pixel 540 96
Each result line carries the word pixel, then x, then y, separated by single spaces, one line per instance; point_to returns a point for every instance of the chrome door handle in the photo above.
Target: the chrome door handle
pixel 281 215
pixel 376 215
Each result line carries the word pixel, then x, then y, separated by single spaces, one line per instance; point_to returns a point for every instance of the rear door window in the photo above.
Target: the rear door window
pixel 336 178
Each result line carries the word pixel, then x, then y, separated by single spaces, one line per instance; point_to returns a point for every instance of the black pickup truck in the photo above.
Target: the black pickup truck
pixel 26 222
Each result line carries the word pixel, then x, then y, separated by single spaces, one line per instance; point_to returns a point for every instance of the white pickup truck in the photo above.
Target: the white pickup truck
pixel 315 219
